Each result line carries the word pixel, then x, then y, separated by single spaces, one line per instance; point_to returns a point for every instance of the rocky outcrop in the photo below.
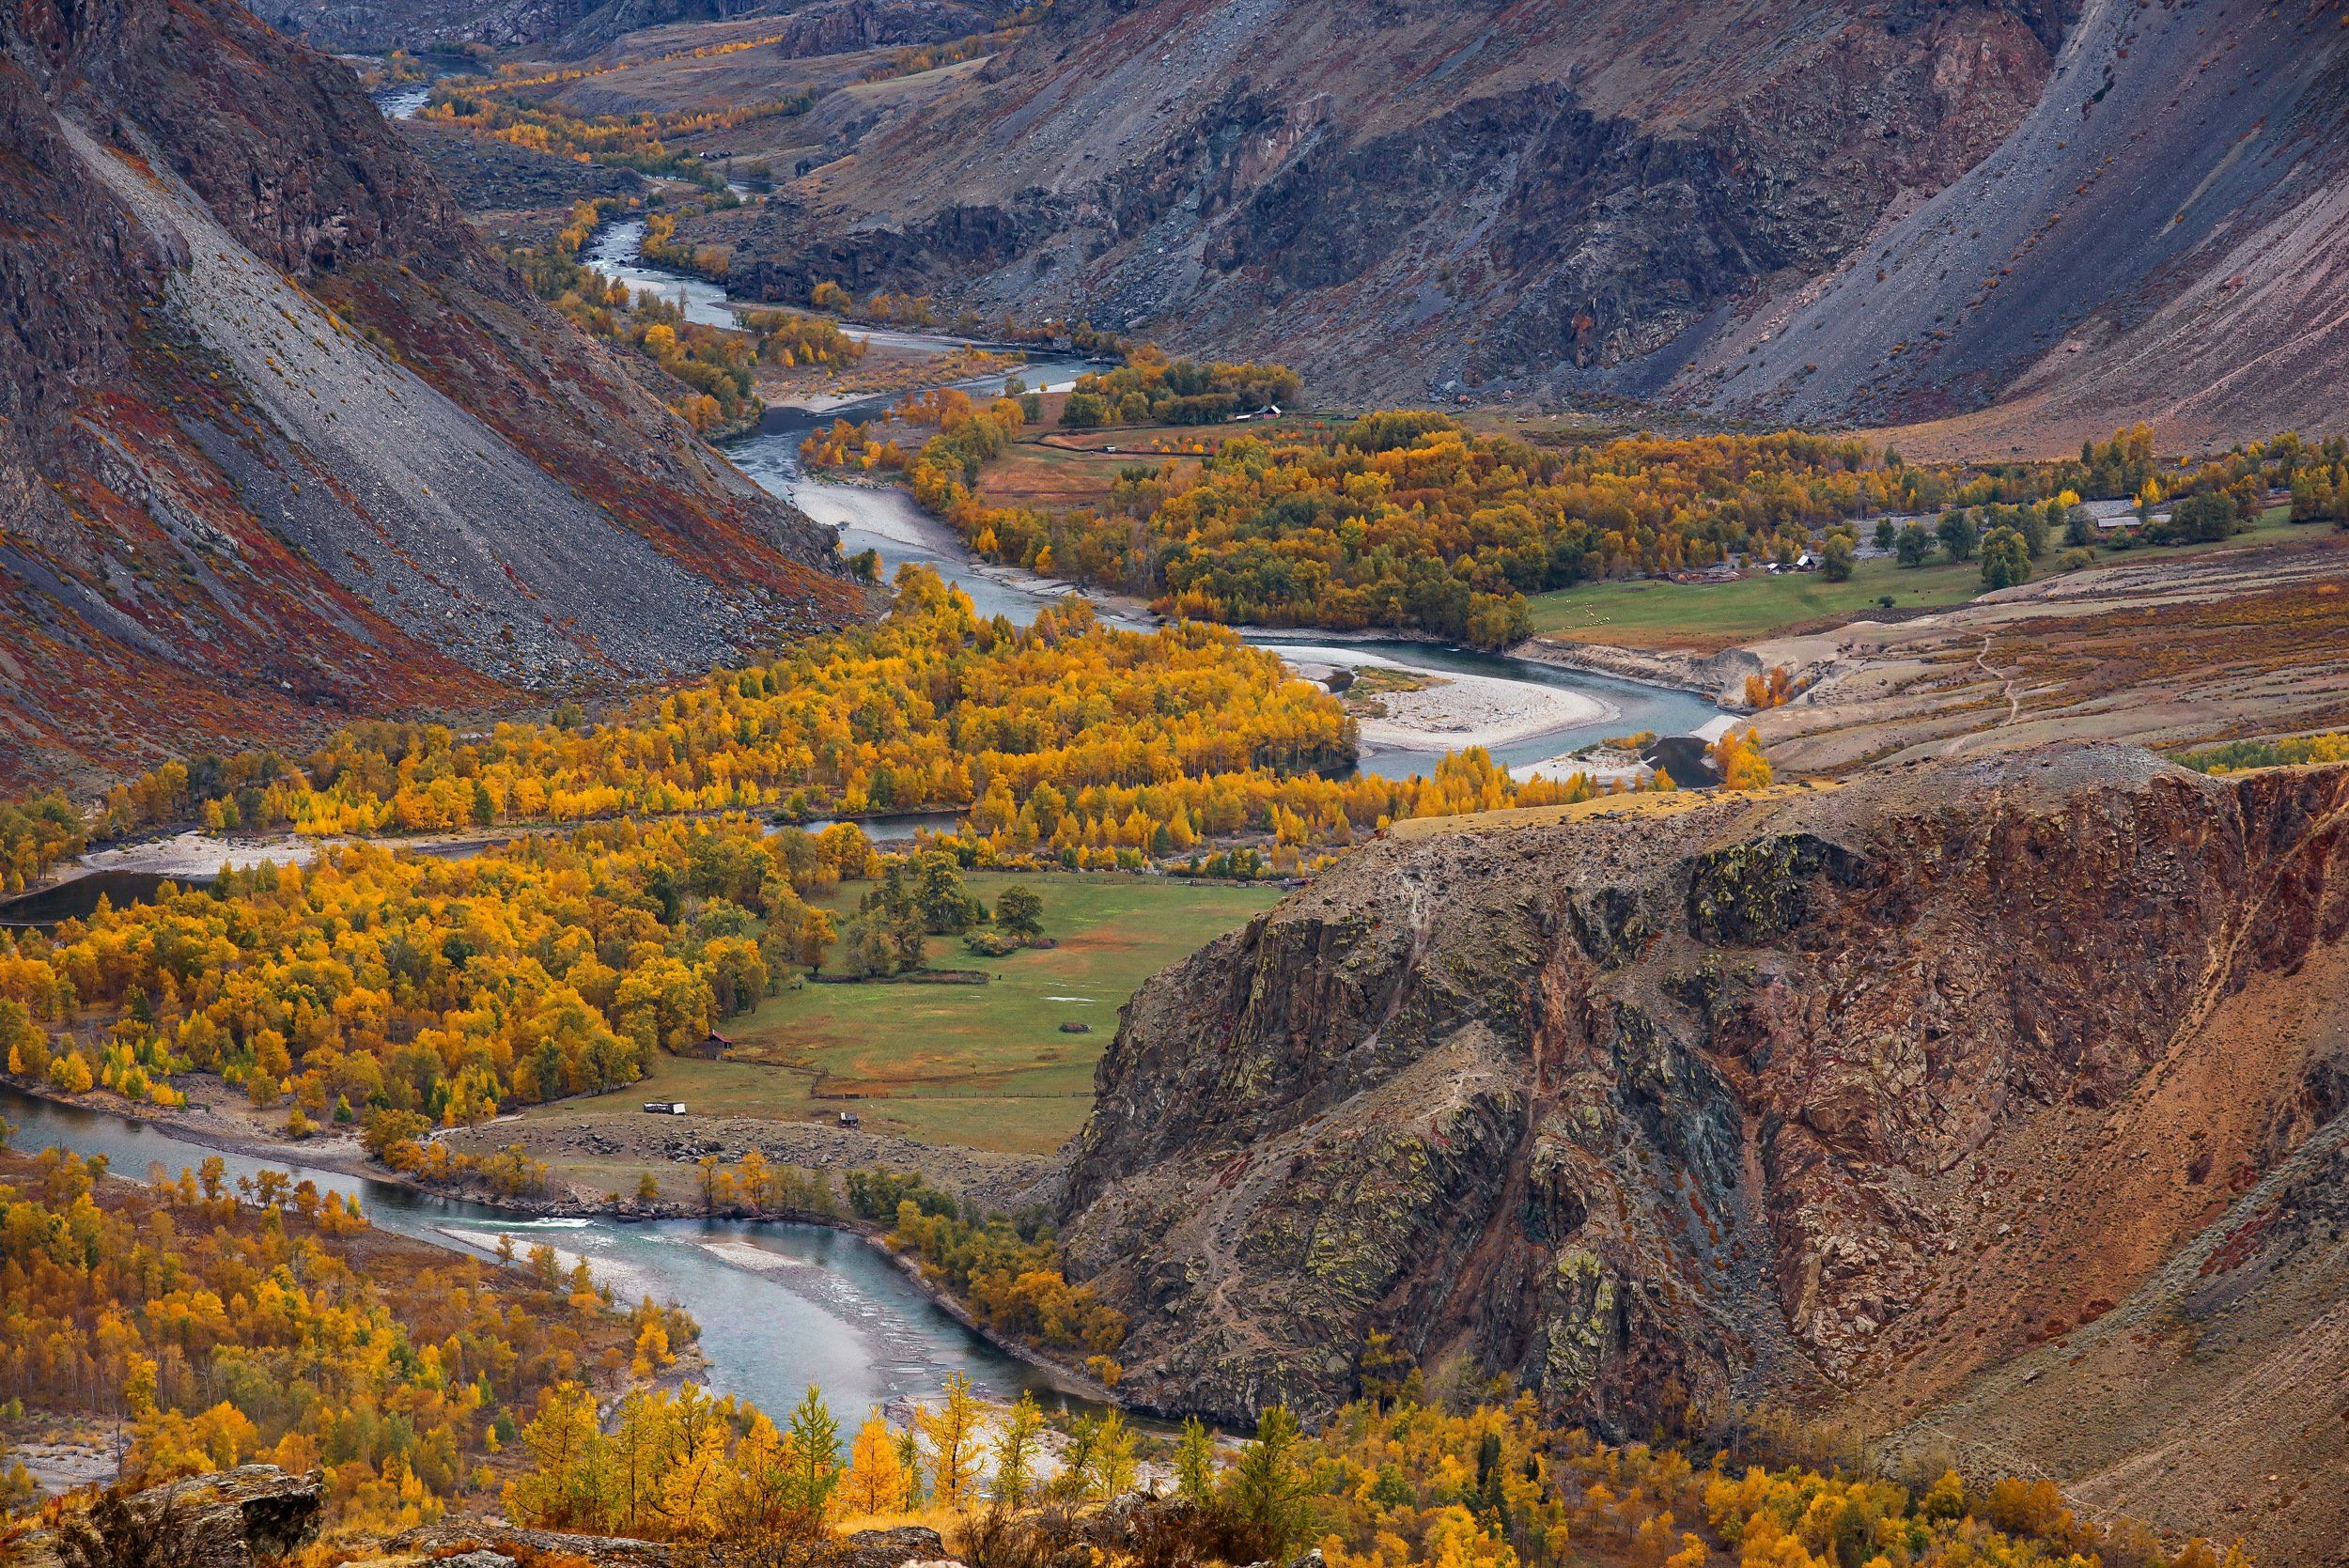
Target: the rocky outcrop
pixel 228 1519
pixel 486 175
pixel 1845 1094
pixel 281 444
pixel 578 27
pixel 842 26
pixel 490 1545
pixel 376 26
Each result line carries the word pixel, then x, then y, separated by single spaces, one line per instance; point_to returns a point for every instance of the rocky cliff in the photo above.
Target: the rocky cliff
pixel 1842 1098
pixel 280 443
pixel 576 27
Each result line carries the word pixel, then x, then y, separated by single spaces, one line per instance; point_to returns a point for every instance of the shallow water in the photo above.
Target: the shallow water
pixel 782 1306
pixel 403 103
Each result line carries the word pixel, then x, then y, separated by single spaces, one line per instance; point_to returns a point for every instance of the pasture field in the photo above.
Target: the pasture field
pixel 1646 613
pixel 987 1065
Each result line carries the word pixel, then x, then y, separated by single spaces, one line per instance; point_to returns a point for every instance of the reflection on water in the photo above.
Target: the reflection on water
pixel 894 827
pixel 79 898
pixel 781 1305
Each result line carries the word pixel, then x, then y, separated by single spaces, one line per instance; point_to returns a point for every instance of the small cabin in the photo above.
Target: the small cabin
pixel 665 1108
pixel 711 1048
pixel 850 1119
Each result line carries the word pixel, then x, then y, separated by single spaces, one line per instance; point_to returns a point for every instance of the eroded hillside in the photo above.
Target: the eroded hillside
pixel 2163 238
pixel 283 444
pixel 1407 198
pixel 1841 1097
pixel 583 26
pixel 2070 215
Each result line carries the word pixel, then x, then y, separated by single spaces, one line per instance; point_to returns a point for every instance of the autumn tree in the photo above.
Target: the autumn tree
pixel 1019 913
pixel 1838 556
pixel 2005 559
pixel 1914 547
pixel 1771 688
pixel 1958 535
pixel 1016 1448
pixel 953 1438
pixel 1267 1487
pixel 1737 758
pixel 812 1450
pixel 1194 1463
pixel 875 1482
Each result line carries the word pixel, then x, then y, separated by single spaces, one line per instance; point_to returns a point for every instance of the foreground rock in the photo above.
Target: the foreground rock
pixel 478 1544
pixel 230 1519
pixel 1848 1096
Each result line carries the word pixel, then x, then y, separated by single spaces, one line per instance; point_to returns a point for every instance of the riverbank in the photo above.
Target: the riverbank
pixel 206 1125
pixel 1427 712
pixel 1490 709
pixel 1717 677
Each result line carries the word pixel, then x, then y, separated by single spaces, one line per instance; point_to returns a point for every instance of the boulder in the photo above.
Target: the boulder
pixel 480 1545
pixel 889 1548
pixel 228 1519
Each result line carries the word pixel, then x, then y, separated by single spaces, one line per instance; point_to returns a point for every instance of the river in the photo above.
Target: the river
pixel 886 521
pixel 782 1306
pixel 403 103
pixel 883 519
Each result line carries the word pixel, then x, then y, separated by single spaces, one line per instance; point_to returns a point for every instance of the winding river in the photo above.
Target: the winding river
pixel 886 521
pixel 883 519
pixel 782 1306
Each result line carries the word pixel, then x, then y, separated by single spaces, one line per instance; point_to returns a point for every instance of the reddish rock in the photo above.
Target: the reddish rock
pixel 1843 1095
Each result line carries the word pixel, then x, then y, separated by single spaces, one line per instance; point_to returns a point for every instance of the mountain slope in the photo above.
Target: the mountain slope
pixel 1674 1109
pixel 576 27
pixel 284 443
pixel 1403 196
pixel 2166 236
pixel 1797 213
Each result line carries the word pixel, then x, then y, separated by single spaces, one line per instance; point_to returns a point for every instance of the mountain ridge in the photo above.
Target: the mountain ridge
pixel 288 447
pixel 2083 215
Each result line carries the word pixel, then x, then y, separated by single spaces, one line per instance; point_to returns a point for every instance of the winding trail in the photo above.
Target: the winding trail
pixel 2006 689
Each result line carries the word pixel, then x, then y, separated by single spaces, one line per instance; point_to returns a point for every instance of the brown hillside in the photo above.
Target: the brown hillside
pixel 1846 1099
pixel 1403 198
pixel 2165 237
pixel 281 442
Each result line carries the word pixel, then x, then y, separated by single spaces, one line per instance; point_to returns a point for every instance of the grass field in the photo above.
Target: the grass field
pixel 1648 613
pixel 1718 615
pixel 981 1065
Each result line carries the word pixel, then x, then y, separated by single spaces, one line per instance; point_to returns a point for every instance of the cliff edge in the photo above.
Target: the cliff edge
pixel 1842 1098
